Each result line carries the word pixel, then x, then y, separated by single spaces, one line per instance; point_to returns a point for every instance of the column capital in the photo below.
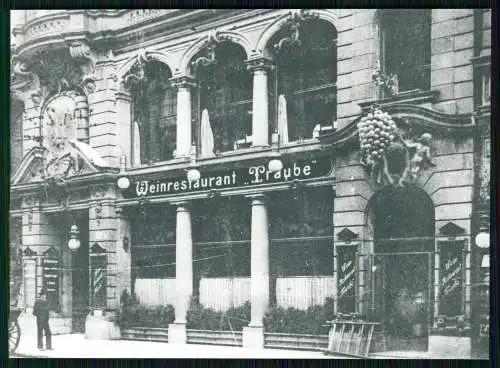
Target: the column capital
pixel 259 64
pixel 183 82
pixel 257 199
pixel 182 206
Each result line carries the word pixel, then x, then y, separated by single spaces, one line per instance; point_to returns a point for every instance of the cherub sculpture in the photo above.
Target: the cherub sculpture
pixel 422 157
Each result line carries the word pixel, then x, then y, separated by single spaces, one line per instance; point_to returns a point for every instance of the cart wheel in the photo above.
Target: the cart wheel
pixel 14 335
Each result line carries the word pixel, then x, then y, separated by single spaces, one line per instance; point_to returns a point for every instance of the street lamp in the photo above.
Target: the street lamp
pixel 123 183
pixel 74 241
pixel 275 165
pixel 483 240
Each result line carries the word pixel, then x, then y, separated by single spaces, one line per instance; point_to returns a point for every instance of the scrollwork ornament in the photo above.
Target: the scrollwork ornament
pixel 213 40
pixel 137 74
pixel 26 83
pixel 82 52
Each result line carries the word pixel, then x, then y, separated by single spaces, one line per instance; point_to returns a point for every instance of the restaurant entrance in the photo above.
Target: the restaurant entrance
pixel 402 264
pixel 402 288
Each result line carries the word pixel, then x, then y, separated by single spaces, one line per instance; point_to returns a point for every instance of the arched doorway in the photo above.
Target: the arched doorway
pixel 403 234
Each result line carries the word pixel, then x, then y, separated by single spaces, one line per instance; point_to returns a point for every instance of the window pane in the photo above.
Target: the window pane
pixel 406 37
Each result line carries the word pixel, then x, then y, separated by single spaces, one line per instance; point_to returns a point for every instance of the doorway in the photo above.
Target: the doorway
pixel 402 264
pixel 402 282
pixel 80 278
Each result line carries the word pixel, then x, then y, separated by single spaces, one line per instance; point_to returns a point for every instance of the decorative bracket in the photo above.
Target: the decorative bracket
pixel 81 51
pixel 296 17
pixel 25 83
pixel 137 73
pixel 212 41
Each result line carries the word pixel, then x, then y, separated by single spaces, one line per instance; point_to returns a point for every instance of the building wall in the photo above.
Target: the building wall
pixel 358 51
pixel 449 184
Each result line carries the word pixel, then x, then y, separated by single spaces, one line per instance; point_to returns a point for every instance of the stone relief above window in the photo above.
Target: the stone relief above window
pixel 389 156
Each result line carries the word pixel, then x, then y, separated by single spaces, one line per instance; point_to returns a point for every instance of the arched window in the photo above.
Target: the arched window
pixel 225 91
pixel 305 75
pixel 154 114
pixel 16 135
pixel 406 47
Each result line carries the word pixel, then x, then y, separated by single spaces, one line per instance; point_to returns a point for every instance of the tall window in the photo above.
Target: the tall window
pixel 225 91
pixel 300 229
pixel 306 75
pixel 153 241
pixel 154 111
pixel 406 47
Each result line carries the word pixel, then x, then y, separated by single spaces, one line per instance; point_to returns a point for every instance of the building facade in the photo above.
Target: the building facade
pixel 271 156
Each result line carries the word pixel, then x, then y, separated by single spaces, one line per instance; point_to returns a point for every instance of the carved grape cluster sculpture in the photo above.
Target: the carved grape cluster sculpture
pixel 376 132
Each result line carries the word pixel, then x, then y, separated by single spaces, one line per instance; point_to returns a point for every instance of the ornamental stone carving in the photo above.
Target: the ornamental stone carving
pixel 208 59
pixel 140 15
pixel 62 116
pixel 50 26
pixel 137 74
pixel 260 64
pixel 82 53
pixel 387 155
pixel 25 83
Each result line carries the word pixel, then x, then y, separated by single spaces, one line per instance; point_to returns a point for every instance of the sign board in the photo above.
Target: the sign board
pixel 451 278
pixel 249 176
pixel 346 278
pixel 51 280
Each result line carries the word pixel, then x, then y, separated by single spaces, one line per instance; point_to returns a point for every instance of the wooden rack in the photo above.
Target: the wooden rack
pixel 351 338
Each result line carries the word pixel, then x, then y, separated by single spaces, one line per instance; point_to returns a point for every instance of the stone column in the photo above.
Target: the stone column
pixel 104 232
pixel 183 273
pixel 260 108
pixel 253 335
pixel 124 125
pixel 183 141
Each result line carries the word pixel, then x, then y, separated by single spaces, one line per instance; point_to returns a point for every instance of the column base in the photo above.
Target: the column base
pixel 101 326
pixel 177 333
pixel 450 347
pixel 253 337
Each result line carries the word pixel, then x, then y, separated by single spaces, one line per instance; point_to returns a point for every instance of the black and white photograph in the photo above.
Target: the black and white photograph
pixel 250 183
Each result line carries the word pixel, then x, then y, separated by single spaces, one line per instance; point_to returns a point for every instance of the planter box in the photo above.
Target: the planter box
pixel 274 340
pixel 227 338
pixel 145 334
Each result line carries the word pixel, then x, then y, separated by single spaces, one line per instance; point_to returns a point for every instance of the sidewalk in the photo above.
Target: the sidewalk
pixel 76 346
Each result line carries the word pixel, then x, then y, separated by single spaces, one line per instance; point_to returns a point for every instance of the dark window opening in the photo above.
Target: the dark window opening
pixel 306 76
pixel 153 242
pixel 406 47
pixel 154 109
pixel 221 237
pixel 225 91
pixel 301 233
pixel 404 221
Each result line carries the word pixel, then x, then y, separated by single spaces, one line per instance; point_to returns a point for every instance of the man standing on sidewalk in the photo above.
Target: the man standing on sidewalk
pixel 41 312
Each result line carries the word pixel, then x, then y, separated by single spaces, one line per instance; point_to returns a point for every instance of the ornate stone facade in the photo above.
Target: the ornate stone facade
pixel 78 139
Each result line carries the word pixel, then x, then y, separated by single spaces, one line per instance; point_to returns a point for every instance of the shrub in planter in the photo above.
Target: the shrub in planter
pixel 201 318
pixel 294 321
pixel 133 314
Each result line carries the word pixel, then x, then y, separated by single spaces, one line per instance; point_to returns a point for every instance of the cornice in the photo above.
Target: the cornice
pixel 234 159
pixel 430 119
pixel 109 29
